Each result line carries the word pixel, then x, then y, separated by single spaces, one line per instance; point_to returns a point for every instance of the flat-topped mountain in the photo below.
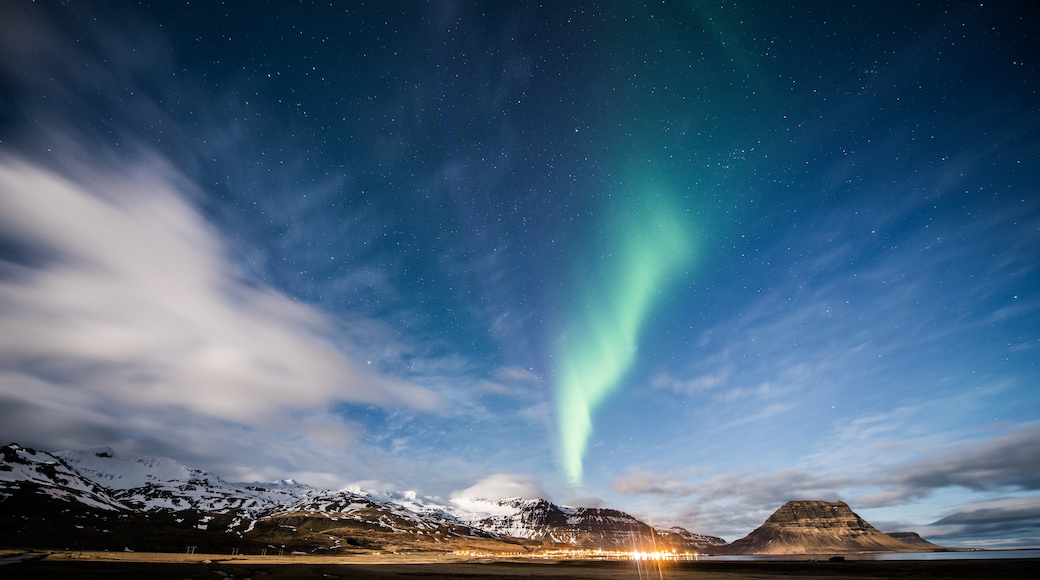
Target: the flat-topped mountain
pixel 819 527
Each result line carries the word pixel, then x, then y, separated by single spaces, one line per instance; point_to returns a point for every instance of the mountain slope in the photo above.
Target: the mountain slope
pixel 816 527
pixel 603 528
pixel 22 468
pixel 919 544
pixel 96 497
pixel 150 484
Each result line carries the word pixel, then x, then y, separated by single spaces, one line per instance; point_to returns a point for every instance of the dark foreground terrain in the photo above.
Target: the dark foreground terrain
pixel 59 566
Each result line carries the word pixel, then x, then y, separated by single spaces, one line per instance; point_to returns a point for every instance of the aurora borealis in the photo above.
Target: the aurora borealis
pixel 684 259
pixel 599 347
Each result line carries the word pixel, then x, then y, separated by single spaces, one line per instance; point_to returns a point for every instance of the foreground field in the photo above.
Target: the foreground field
pixel 383 567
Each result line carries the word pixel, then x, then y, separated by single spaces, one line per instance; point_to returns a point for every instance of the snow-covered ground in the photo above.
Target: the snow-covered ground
pixel 101 479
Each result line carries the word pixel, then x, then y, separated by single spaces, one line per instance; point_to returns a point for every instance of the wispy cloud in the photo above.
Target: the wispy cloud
pixel 766 412
pixel 991 522
pixel 131 293
pixel 512 380
pixel 1006 463
pixel 702 383
pixel 1011 462
pixel 122 297
pixel 652 484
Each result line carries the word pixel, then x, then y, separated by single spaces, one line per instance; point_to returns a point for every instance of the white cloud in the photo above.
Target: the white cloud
pixel 120 303
pixel 503 485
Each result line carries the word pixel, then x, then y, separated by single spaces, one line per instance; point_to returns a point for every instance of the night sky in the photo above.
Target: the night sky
pixel 686 259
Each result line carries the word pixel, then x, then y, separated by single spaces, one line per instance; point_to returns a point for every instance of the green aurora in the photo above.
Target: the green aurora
pixel 601 342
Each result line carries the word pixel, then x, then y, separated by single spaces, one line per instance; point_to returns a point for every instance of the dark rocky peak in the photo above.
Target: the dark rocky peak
pixel 817 514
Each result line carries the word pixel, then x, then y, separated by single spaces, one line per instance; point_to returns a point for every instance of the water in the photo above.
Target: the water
pixel 975 555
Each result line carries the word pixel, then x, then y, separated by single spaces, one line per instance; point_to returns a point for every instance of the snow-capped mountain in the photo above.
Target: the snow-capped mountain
pixel 161 489
pixel 27 467
pixel 538 519
pixel 151 484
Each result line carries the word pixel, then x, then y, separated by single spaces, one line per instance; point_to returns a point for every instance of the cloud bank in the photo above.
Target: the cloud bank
pixel 118 302
pixel 1008 464
pixel 990 522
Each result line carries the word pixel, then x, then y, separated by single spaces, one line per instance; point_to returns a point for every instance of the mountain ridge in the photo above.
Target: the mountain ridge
pixel 96 496
pixel 189 503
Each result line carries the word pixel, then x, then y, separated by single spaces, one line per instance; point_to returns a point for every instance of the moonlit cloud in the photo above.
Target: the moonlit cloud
pixel 988 522
pixel 503 485
pixel 699 384
pixel 125 298
pixel 1010 462
pixel 651 484
pixel 1006 463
